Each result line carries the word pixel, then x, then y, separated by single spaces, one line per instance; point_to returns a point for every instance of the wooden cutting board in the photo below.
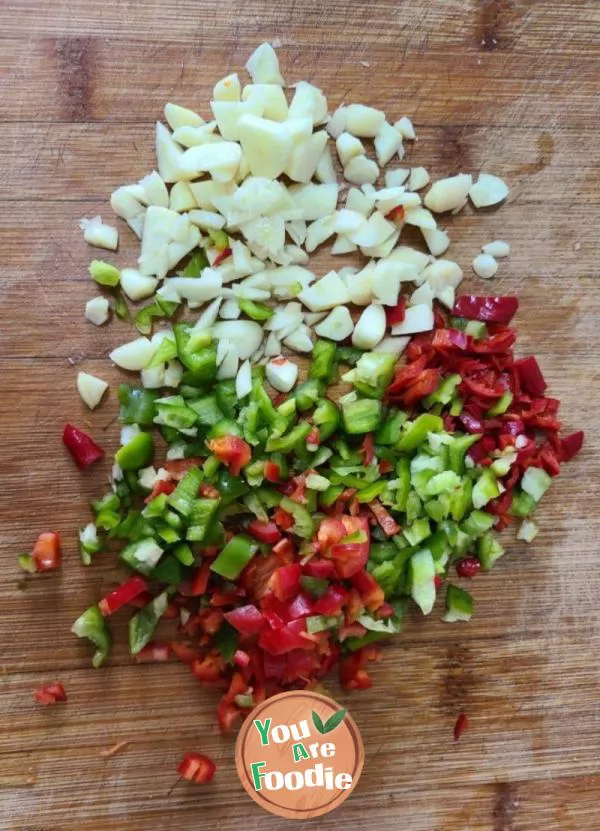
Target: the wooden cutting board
pixel 509 86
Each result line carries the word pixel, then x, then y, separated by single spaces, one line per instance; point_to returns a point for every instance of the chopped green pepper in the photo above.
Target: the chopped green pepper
pixel 459 605
pixel 323 360
pixel 136 453
pixel 137 405
pixel 235 556
pixel 303 522
pixel 143 624
pixel 104 274
pixel 200 517
pixel 184 495
pixel 417 430
pixel 92 625
pixel 256 311
pixel 362 416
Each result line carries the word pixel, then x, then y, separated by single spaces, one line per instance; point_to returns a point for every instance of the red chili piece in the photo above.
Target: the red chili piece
pixel 196 767
pixel 462 723
pixel 122 595
pixel 47 554
pixel 487 309
pixel 82 447
pixel 51 694
pixel 468 567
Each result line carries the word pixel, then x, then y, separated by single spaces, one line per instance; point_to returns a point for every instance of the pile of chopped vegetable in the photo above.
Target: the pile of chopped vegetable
pixel 286 538
pixel 283 534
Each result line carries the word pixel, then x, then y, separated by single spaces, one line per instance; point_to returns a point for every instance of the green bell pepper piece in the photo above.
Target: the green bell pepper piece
pixel 414 507
pixel 501 405
pixel 328 497
pixel 314 585
pixel 323 360
pixel 104 274
pixel 303 522
pixel 184 554
pixel 184 495
pixel 458 450
pixel 142 555
pixel 362 416
pixel 320 623
pixel 196 265
pixel 390 431
pixel 92 625
pixel 159 308
pixel 444 393
pixel 456 407
pixel 207 410
pixel 225 642
pixel 441 483
pixel 166 351
pixel 422 573
pixel 485 489
pixel 230 487
pixel 202 363
pixel 382 551
pixel 372 491
pixel 373 372
pixel 256 311
pixel 220 239
pixel 170 570
pixel 418 531
pixel 143 624
pixel 156 507
pixel 459 605
pixel 522 504
pixel 477 523
pixel 174 411
pixel 416 432
pixel 136 453
pixel 489 550
pixel 461 501
pixel 227 397
pixel 326 417
pixel 137 405
pixel 349 355
pixel 535 482
pixel 291 440
pixel 403 490
pixel 235 556
pixel 307 393
pixel 200 518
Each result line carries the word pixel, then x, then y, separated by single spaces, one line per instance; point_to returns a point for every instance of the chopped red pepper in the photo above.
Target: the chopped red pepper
pixel 450 339
pixel 46 554
pixel 353 675
pixel 285 581
pixel 427 383
pixel 162 486
pixel 314 437
pixel 272 472
pixel 571 445
pixel 82 447
pixel 241 658
pixel 233 451
pixel 406 375
pixel 396 314
pixel 51 694
pixel 368 449
pixel 154 653
pixel 200 580
pixel 492 309
pixel 386 521
pixel 209 668
pixel 289 637
pixel 264 531
pixel 122 595
pixel 248 620
pixel 462 722
pixel 371 593
pixel 530 376
pixel 177 468
pixel 468 567
pixel 195 767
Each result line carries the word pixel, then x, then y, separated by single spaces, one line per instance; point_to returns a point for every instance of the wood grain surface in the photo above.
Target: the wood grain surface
pixel 509 86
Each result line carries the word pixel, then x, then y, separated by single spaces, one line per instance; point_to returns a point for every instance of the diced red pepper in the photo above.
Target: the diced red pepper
pixel 386 521
pixel 330 532
pixel 291 636
pixel 450 339
pixel 161 486
pixel 196 767
pixel 227 715
pixel 184 653
pixel 82 447
pixel 368 449
pixel 571 445
pixel 499 343
pixel 369 590
pixel 468 567
pixel 200 580
pixel 122 595
pixel 272 472
pixel 154 653
pixel 530 376
pixel 281 518
pixel 266 532
pixel 473 425
pixel 300 606
pixel 177 468
pixel 285 581
pixel 314 437
pixel 209 669
pixel 210 620
pixel 462 722
pixel 221 257
pixel 353 675
pixel 332 601
pixel 406 375
pixel 322 569
pixel 501 504
pixel 396 314
pixel 427 383
pixel 51 694
pixel 208 491
pixel 46 554
pixel 248 620
pixel 492 309
pixel 284 549
pixel 385 467
pixel 232 451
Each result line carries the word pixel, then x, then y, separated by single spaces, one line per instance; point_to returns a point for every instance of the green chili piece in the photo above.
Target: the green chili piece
pixel 323 359
pixel 235 556
pixel 307 393
pixel 417 430
pixel 290 440
pixel 362 416
pixel 458 450
pixel 92 625
pixel 200 517
pixel 304 525
pixel 137 405
pixel 256 311
pixel 459 605
pixel 182 498
pixel 143 624
pixel 136 453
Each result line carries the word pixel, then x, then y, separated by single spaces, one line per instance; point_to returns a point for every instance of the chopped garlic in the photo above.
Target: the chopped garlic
pixel 96 310
pixel 281 373
pixel 97 233
pixel 361 171
pixel 418 178
pixel 337 326
pixel 348 147
pixel 498 249
pixel 370 327
pixel 405 128
pixel 485 266
pixel 363 121
pixel 488 190
pixel 449 194
pixel 263 66
pixel 388 142
pixel 91 389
